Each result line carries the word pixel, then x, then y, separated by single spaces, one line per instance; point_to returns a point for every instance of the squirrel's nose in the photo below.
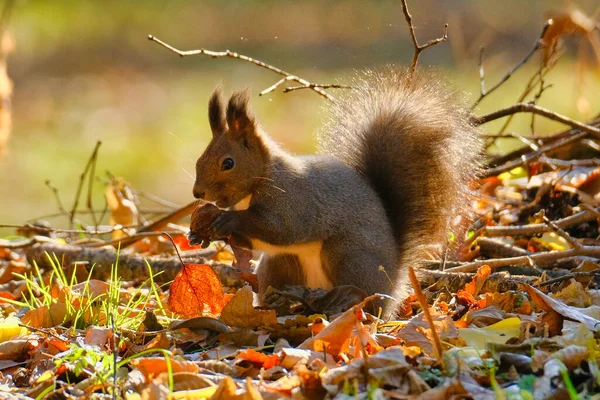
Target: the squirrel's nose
pixel 198 194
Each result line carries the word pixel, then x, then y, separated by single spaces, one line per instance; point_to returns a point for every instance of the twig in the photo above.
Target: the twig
pixel 499 160
pixel 568 276
pixel 92 160
pixel 534 229
pixel 57 230
pixel 59 203
pixel 419 48
pixel 164 221
pixel 437 344
pixel 135 237
pixel 544 258
pixel 317 85
pixel 560 232
pixel 286 75
pixel 533 81
pixel 534 155
pixel 91 185
pixel 484 92
pixel 532 108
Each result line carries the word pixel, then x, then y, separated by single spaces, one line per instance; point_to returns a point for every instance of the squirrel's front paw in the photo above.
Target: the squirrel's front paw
pixel 224 225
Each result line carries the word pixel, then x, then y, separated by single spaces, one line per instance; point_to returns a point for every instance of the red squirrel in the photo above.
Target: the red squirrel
pixel 394 161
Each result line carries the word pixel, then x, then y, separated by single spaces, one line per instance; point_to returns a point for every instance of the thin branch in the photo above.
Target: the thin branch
pixel 92 160
pixel 286 75
pixel 532 108
pixel 317 85
pixel 419 48
pixel 525 159
pixel 485 92
pixel 544 258
pixel 59 203
pixel 437 344
pixel 499 160
pixel 45 229
pixel 534 229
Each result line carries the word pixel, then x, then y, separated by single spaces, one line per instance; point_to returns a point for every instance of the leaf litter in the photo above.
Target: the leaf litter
pixel 108 310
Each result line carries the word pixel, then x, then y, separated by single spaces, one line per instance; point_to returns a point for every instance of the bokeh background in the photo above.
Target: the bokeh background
pixel 84 71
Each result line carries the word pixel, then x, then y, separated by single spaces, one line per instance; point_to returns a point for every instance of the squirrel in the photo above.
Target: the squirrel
pixel 393 165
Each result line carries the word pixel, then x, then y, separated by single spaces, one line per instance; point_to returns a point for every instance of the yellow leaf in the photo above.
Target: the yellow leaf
pixel 499 332
pixel 9 328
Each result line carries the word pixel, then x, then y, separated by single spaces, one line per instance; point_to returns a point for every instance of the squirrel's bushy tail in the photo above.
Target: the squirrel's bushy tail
pixel 413 142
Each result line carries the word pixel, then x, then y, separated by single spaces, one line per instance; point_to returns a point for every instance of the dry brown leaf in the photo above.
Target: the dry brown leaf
pixel 186 381
pixel 161 341
pixel 46 317
pixel 418 333
pixel 18 348
pixel 547 303
pixel 336 337
pixel 572 355
pixel 99 336
pixel 121 201
pixel 240 312
pixel 574 295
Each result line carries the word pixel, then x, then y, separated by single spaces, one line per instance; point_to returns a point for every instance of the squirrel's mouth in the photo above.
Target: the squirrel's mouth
pixel 223 203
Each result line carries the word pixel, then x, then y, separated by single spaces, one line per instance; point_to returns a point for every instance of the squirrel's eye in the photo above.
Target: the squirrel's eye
pixel 227 164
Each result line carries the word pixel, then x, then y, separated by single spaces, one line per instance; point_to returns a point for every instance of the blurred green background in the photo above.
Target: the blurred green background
pixel 84 71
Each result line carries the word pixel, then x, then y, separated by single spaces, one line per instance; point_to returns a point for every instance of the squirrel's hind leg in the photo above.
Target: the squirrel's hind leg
pixel 277 271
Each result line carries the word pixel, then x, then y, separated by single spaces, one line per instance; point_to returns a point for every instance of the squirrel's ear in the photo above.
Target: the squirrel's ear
pixel 216 114
pixel 239 119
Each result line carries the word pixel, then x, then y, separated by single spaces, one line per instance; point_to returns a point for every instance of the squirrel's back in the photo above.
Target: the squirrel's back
pixel 413 142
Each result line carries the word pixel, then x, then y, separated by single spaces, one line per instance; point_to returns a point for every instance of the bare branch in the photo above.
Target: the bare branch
pixel 532 108
pixel 543 258
pixel 485 92
pixel 90 164
pixel 286 75
pixel 525 159
pixel 419 48
pixel 534 229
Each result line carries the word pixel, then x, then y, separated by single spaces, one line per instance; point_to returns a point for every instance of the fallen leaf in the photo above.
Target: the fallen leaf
pixel 499 332
pixel 46 317
pixel 99 336
pixel 259 360
pixel 151 367
pixel 547 303
pixel 240 312
pixel 195 291
pixel 9 328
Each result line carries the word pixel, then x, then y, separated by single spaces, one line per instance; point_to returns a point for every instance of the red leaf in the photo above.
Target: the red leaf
pixel 196 291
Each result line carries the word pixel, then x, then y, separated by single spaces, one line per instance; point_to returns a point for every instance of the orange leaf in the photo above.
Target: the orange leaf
pixel 151 367
pixel 259 359
pixel 477 283
pixel 44 317
pixel 196 291
pixel 184 245
pixel 6 295
pixel 466 296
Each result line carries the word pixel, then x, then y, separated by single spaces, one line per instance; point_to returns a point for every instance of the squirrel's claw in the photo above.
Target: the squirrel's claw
pixel 224 225
pixel 196 238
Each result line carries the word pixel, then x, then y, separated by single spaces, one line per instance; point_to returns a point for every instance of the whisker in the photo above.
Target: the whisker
pixel 188 173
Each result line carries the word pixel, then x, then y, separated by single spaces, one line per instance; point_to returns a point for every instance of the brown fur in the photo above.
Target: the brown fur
pixel 396 160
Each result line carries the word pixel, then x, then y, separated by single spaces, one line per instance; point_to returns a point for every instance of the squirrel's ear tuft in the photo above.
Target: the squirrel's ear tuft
pixel 216 114
pixel 239 119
